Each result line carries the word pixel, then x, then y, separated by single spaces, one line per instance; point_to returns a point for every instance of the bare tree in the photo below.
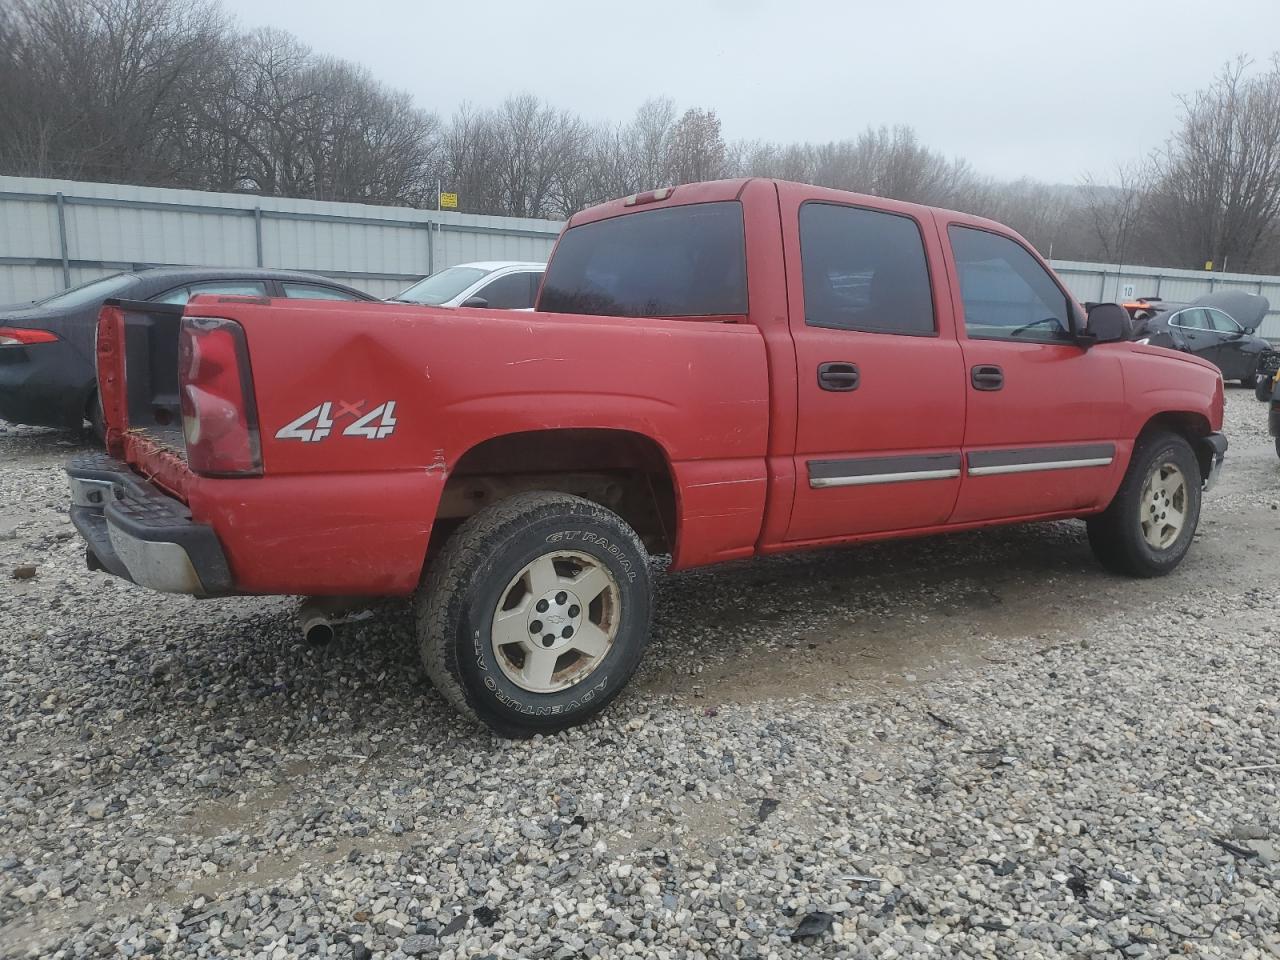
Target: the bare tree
pixel 1116 211
pixel 696 151
pixel 100 88
pixel 1216 191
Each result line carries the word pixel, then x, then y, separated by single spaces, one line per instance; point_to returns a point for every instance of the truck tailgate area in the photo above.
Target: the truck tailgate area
pixel 138 374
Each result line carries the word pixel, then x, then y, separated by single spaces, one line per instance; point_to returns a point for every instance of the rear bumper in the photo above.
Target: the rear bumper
pixel 135 531
pixel 1213 450
pixel 44 385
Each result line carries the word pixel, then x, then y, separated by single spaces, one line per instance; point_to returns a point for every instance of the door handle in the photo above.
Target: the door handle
pixel 987 376
pixel 838 375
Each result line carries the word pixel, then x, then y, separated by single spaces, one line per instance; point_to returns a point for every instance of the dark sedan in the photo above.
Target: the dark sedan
pixel 48 375
pixel 1219 327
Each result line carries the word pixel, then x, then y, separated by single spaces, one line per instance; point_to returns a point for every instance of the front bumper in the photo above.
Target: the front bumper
pixel 1213 450
pixel 135 531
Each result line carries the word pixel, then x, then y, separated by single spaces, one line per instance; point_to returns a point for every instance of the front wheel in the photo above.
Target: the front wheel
pixel 536 613
pixel 1262 387
pixel 1148 528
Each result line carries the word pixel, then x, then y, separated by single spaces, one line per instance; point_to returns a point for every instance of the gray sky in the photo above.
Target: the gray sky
pixel 1017 87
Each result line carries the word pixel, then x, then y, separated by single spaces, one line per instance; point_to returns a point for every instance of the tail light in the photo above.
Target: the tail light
pixel 21 336
pixel 219 413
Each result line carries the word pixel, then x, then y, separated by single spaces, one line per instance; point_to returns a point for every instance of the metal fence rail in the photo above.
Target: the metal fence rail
pixel 1106 282
pixel 58 233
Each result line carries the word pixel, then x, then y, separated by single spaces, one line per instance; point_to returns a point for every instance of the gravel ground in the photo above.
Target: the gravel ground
pixel 977 745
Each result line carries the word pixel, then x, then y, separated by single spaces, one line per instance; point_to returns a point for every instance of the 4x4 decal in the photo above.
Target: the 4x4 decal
pixel 377 424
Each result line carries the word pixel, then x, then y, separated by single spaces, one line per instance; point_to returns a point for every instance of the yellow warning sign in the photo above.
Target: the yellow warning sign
pixel 449 200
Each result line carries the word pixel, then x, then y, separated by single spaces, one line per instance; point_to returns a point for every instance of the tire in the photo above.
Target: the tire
pixel 1262 389
pixel 1118 536
pixel 97 420
pixel 527 555
pixel 1278 446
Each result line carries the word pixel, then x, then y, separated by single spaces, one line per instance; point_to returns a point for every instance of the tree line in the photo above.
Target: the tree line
pixel 174 93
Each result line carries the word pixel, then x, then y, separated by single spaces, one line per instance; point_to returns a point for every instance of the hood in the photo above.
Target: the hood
pixel 1246 309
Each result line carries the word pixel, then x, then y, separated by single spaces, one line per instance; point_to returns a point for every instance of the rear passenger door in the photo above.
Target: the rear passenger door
pixel 881 390
pixel 1193 329
pixel 1043 412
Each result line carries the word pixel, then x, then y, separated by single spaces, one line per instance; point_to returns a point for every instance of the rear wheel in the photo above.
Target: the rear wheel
pixel 536 613
pixel 1148 528
pixel 96 418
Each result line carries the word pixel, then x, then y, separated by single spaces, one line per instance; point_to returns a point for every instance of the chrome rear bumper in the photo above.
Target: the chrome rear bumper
pixel 135 531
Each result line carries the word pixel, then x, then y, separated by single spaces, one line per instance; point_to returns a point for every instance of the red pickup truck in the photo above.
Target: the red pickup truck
pixel 715 371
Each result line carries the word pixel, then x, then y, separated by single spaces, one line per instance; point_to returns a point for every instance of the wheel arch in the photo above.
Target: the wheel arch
pixel 1191 426
pixel 623 470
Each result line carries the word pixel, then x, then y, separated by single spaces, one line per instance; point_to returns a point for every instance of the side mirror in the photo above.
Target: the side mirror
pixel 1106 323
pixel 1249 330
pixel 475 302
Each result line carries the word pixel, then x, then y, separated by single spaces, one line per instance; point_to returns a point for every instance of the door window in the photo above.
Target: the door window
pixel 1007 294
pixel 314 291
pixel 510 292
pixel 1192 320
pixel 247 288
pixel 1222 323
pixel 864 270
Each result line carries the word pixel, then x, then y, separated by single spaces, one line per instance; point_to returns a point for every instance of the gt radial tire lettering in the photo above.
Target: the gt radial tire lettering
pixel 588 537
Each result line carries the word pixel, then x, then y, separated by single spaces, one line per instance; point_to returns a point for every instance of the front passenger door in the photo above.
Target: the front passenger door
pixel 1229 353
pixel 1044 412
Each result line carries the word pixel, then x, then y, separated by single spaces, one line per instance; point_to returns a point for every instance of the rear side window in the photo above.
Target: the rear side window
pixel 1192 320
pixel 864 270
pixel 512 292
pixel 248 288
pixel 314 291
pixel 685 261
pixel 1007 294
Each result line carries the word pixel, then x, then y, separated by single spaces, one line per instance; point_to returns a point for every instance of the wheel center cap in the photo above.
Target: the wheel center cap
pixel 554 618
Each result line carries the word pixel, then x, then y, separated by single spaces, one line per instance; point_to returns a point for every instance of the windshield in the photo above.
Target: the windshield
pixel 685 261
pixel 88 293
pixel 442 286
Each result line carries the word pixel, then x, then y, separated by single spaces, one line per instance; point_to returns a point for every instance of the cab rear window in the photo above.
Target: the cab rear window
pixel 685 261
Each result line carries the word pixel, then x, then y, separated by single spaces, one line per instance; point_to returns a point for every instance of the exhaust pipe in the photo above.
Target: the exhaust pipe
pixel 317 616
pixel 317 628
